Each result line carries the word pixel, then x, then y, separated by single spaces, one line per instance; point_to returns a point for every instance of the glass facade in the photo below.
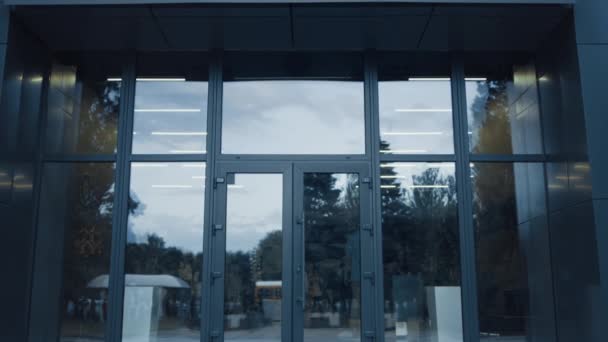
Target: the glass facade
pixel 74 250
pixel 422 287
pixel 293 197
pixel 164 251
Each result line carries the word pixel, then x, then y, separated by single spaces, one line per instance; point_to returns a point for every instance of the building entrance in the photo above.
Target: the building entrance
pixel 287 242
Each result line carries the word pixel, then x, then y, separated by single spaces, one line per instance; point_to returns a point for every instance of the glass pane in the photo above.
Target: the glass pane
pixel 293 117
pixel 332 266
pixel 170 116
pixel 514 279
pixel 254 245
pixel 422 290
pixel 74 238
pixel 503 111
pixel 82 108
pixel 164 252
pixel 416 116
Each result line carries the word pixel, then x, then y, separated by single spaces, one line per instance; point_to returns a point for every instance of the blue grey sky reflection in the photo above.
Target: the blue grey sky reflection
pixel 293 117
pixel 416 116
pixel 170 117
pixel 254 209
pixel 171 204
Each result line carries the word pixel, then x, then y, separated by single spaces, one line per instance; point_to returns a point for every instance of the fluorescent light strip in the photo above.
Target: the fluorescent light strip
pixel 478 79
pixel 422 110
pixel 179 133
pixel 403 151
pixel 188 151
pixel 393 177
pixel 171 186
pixel 416 186
pixel 424 79
pixel 388 186
pixel 169 110
pixel 426 186
pixel 411 133
pixel 149 79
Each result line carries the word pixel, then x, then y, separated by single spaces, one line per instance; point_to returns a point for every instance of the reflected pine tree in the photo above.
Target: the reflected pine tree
pixel 98 119
pixel 489 115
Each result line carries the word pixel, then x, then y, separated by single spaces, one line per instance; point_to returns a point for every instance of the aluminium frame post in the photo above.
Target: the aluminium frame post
pixel 470 315
pixel 121 200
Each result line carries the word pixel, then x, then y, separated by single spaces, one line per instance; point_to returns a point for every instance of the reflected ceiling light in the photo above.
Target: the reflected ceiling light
pixel 429 79
pixel 171 186
pixel 169 110
pixel 388 186
pixel 179 133
pixel 411 133
pixel 427 186
pixel 198 177
pixel 582 167
pixel 149 79
pixel 149 165
pixel 403 151
pixel 188 151
pixel 476 79
pixel 393 177
pixel 197 165
pixel 569 177
pixel 422 110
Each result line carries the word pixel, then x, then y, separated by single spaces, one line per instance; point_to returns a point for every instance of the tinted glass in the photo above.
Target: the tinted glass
pixel 420 252
pixel 332 257
pixel 416 116
pixel 282 103
pixel 82 110
pixel 170 116
pixel 73 249
pixel 512 247
pixel 503 111
pixel 254 241
pixel 293 117
pixel 164 252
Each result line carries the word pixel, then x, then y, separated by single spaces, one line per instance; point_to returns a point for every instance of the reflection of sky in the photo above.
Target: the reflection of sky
pixel 411 131
pixel 155 130
pixel 293 117
pixel 171 199
pixel 254 209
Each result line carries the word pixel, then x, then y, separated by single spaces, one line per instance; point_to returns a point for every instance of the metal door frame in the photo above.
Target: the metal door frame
pixel 366 242
pixel 216 236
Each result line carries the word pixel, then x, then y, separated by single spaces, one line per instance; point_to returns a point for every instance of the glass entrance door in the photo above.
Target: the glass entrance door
pixel 333 274
pixel 289 244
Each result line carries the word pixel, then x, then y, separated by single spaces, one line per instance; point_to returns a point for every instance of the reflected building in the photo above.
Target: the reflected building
pixel 322 172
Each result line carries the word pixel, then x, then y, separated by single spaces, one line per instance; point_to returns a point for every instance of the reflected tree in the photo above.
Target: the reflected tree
pixel 489 113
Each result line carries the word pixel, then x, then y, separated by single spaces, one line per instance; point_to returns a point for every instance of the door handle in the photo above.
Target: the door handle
pixel 301 301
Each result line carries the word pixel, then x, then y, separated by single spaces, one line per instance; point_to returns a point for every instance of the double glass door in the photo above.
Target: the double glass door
pixel 291 253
